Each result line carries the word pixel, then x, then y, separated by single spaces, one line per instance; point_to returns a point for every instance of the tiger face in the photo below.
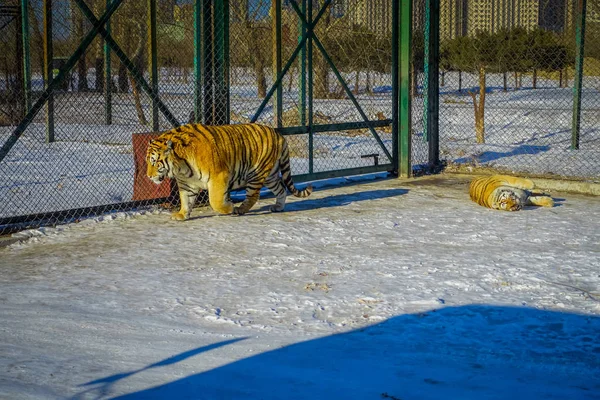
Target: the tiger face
pixel 157 161
pixel 507 200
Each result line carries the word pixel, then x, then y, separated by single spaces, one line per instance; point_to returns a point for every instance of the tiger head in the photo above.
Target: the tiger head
pixel 157 160
pixel 507 200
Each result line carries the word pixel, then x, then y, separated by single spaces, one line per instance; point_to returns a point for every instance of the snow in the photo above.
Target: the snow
pixel 378 289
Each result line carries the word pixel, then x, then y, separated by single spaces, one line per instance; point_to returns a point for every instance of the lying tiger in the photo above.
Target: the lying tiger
pixel 507 193
pixel 221 159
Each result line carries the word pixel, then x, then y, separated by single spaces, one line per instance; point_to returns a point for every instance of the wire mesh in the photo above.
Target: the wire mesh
pixel 507 87
pixel 77 147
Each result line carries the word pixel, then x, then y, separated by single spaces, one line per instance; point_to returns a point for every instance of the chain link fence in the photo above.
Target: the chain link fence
pixel 78 110
pixel 508 90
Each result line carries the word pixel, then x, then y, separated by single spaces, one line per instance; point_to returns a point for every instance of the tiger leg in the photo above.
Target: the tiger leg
pixel 252 194
pixel 274 184
pixel 218 195
pixel 519 183
pixel 544 201
pixel 187 199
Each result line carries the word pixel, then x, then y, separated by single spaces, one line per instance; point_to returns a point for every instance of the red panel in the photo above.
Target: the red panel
pixel 143 187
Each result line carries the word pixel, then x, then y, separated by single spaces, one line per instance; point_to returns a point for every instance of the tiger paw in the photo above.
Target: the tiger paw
pixel 238 211
pixel 179 216
pixel 277 208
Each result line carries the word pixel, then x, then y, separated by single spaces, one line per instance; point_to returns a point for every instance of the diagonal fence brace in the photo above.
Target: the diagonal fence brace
pixel 310 31
pixel 291 60
pixel 35 108
pixel 127 63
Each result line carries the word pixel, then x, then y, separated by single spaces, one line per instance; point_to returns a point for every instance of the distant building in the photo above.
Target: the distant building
pixel 557 15
pixel 494 15
pixel 453 19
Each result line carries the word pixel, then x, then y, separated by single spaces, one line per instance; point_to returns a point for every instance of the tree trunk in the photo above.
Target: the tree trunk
pixel 369 88
pixel 138 103
pixel 261 79
pixel 535 78
pixel 560 78
pixel 443 78
pixel 505 87
pixel 459 81
pixel 99 67
pixel 356 82
pixel 516 75
pixel 321 68
pixel 122 79
pixel 479 108
pixel 82 84
pixel 138 61
pixel 99 54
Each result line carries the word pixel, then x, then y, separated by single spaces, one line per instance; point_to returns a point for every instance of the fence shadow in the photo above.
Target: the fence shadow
pixel 488 156
pixel 466 352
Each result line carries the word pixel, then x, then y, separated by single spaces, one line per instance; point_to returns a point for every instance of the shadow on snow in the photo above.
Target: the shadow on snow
pixel 466 352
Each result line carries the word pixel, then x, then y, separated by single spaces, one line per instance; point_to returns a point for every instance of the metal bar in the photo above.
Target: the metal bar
pixel 432 76
pixel 302 69
pixel 219 67
pixel 48 70
pixel 309 56
pixel 342 126
pixel 287 65
pixel 125 60
pixel 395 69
pixel 107 77
pixel 197 60
pixel 207 65
pixel 343 172
pixel 579 53
pixel 404 108
pixel 37 106
pixel 26 54
pixel 278 106
pixel 339 77
pixel 153 61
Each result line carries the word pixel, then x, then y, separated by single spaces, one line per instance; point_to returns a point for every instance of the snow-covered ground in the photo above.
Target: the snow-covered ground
pixel 381 289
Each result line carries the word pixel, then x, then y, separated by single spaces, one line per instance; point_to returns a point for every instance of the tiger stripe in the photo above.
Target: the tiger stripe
pixel 221 159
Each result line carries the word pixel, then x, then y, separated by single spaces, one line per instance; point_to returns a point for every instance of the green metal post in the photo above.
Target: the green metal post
pixel 221 90
pixel 107 77
pixel 302 69
pixel 404 99
pixel 395 70
pixel 153 67
pixel 207 64
pixel 432 85
pixel 198 60
pixel 579 53
pixel 48 72
pixel 309 56
pixel 26 54
pixel 278 106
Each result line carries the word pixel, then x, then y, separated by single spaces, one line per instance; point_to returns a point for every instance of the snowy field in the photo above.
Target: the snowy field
pixel 382 289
